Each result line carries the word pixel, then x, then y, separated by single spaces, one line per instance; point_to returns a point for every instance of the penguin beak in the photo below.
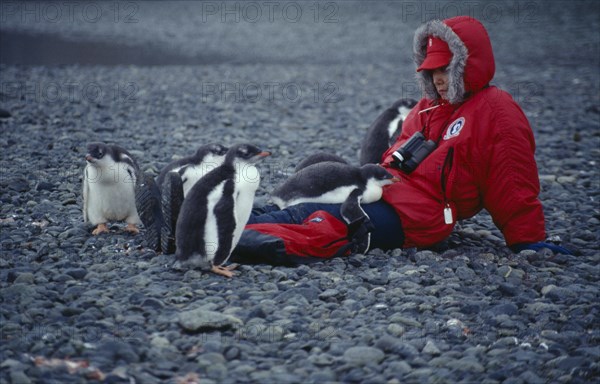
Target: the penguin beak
pixel 395 179
pixel 264 154
pixel 89 158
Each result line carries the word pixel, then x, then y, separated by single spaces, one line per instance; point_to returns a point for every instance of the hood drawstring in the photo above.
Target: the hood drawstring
pixel 444 102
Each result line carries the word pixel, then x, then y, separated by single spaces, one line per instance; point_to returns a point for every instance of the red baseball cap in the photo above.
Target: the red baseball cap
pixel 438 54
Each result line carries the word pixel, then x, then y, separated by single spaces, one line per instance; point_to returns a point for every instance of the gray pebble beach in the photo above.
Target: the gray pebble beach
pixel 295 78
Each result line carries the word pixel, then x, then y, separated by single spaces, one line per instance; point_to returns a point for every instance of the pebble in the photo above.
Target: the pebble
pixel 25 278
pixel 504 309
pixel 200 319
pixel 19 377
pixel 363 355
pixel 431 349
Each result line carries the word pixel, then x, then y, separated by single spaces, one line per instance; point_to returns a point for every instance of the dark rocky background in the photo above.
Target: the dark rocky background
pixel 293 77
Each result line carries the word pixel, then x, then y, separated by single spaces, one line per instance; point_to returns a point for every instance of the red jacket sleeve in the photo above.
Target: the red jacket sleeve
pixel 510 184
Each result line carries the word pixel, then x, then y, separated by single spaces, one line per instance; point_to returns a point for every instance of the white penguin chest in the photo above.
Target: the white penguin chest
pixel 247 180
pixel 373 192
pixel 110 194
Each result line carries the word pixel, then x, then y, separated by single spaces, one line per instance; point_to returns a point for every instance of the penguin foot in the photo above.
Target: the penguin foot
pixel 101 228
pixel 224 271
pixel 132 228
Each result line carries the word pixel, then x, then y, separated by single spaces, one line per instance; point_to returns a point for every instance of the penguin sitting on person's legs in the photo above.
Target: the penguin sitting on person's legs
pixel 331 182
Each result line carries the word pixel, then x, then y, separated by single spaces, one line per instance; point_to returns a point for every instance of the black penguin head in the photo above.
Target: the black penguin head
pixel 218 149
pixel 246 153
pixel 214 149
pixel 103 155
pixel 377 173
pixel 408 103
pixel 97 153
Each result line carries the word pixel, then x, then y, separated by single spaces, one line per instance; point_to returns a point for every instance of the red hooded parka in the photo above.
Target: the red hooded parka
pixel 485 153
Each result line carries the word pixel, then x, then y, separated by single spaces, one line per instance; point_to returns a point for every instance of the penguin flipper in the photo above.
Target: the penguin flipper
pixel 86 192
pixel 351 210
pixel 226 223
pixel 359 223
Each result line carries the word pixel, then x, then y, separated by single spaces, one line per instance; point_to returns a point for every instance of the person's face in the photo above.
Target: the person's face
pixel 440 81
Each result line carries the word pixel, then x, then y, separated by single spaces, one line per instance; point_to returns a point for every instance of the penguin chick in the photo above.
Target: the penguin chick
pixel 109 187
pixel 192 168
pixel 319 157
pixel 215 211
pixel 384 131
pixel 332 182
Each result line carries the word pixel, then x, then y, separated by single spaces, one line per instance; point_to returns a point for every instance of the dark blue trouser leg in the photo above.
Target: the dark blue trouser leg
pixel 387 234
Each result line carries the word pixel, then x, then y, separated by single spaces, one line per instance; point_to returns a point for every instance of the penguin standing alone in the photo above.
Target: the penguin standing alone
pixel 109 187
pixel 215 211
pixel 332 182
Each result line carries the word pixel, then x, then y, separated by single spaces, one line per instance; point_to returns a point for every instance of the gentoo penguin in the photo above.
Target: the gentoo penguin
pixel 319 157
pixel 173 183
pixel 192 168
pixel 332 182
pixel 384 131
pixel 108 187
pixel 215 211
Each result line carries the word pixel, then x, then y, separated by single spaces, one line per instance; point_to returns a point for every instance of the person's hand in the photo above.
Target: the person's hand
pixel 538 246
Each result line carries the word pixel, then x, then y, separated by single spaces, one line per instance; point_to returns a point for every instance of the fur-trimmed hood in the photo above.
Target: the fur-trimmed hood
pixel 472 66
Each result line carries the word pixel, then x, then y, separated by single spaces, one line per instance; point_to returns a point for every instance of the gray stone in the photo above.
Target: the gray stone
pixel 505 309
pixel 19 377
pixel 396 329
pixel 76 273
pixel 199 320
pixel 321 359
pixel 398 368
pixel 401 319
pixel 363 356
pixel 310 294
pixel 329 294
pixel 25 278
pixel 469 364
pixel 431 349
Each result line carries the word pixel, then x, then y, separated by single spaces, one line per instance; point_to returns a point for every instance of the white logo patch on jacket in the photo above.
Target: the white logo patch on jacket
pixel 455 128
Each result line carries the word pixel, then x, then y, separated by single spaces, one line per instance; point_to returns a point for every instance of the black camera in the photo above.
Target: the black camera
pixel 408 157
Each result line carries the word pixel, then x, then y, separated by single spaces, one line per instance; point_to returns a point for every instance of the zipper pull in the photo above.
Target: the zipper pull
pixel 448 214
